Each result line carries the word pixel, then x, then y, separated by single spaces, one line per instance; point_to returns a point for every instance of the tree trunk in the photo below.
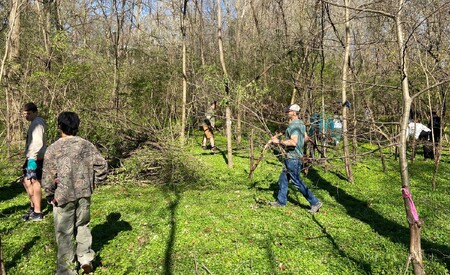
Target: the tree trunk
pixel 348 167
pixel 239 121
pixel 45 25
pixel 183 109
pixel 12 72
pixel 415 251
pixel 226 86
pixel 2 264
pixel 138 20
pixel 237 57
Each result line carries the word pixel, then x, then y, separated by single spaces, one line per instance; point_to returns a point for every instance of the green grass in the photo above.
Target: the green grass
pixel 218 221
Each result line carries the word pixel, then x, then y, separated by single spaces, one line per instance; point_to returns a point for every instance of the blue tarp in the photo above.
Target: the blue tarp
pixel 328 127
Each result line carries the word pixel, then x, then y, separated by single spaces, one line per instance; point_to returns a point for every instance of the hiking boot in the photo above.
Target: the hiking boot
pixel 36 217
pixel 214 149
pixel 315 208
pixel 204 147
pixel 275 204
pixel 87 268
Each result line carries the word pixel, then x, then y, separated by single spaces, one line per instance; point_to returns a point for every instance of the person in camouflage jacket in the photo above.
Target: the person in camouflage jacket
pixel 72 167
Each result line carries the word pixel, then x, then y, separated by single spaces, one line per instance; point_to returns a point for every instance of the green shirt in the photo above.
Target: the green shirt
pixel 295 128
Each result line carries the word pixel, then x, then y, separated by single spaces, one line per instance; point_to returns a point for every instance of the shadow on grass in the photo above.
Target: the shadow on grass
pixel 393 231
pixel 223 154
pixel 22 253
pixel 269 251
pixel 14 209
pixel 292 197
pixel 168 261
pixel 364 265
pixel 10 191
pixel 103 233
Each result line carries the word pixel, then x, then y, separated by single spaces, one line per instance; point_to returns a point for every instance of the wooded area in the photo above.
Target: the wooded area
pixel 145 70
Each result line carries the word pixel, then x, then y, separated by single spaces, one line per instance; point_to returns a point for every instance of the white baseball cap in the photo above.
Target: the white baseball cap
pixel 292 107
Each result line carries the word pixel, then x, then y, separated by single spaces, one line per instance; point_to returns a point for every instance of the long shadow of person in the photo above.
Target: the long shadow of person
pixel 389 229
pixel 103 233
pixel 11 190
pixel 22 253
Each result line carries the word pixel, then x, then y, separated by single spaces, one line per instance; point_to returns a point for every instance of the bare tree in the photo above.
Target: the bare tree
pixel 11 73
pixel 226 85
pixel 345 105
pixel 115 15
pixel 184 96
pixel 415 250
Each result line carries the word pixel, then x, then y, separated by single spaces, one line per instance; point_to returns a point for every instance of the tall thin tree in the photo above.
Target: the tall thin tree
pixel 415 251
pixel 12 71
pixel 345 105
pixel 226 85
pixel 184 96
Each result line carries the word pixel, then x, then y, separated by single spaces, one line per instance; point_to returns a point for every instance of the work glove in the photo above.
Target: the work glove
pixel 31 169
pixel 31 164
pixel 51 200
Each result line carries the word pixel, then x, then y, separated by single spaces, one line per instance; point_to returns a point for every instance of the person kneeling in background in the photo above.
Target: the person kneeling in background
pixel 72 167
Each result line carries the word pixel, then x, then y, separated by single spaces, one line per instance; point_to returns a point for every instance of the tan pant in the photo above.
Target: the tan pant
pixel 208 131
pixel 72 221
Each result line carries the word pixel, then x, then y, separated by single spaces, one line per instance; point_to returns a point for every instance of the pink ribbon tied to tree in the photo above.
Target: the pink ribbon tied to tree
pixel 407 195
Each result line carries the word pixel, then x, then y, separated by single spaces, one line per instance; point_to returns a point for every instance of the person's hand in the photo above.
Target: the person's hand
pixel 275 140
pixel 51 200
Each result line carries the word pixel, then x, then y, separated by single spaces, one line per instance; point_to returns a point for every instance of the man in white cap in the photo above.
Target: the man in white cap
pixel 295 139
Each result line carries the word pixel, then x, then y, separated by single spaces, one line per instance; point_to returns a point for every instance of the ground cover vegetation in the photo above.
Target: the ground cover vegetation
pixel 141 74
pixel 200 217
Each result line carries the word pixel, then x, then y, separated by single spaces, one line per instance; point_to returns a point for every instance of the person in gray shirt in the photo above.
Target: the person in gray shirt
pixel 32 169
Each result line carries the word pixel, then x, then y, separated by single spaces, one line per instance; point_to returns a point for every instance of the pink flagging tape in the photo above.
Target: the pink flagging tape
pixel 406 194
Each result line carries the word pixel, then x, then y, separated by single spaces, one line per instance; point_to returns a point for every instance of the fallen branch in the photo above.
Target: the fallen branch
pixel 261 156
pixel 205 268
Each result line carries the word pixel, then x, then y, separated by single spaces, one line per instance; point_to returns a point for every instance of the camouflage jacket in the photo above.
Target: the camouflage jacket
pixel 72 167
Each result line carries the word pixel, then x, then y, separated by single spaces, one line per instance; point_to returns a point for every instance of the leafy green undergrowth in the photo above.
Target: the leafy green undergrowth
pixel 218 221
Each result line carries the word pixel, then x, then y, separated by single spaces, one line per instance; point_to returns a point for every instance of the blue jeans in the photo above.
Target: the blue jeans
pixel 291 171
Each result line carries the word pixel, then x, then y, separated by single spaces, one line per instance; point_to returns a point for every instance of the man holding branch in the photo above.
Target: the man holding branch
pixel 295 139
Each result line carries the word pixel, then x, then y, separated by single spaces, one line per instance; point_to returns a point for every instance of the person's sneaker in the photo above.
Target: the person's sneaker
pixel 26 217
pixel 36 217
pixel 205 147
pixel 275 204
pixel 315 208
pixel 214 149
pixel 87 268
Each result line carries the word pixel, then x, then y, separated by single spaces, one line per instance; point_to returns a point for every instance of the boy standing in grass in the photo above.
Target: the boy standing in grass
pixel 295 139
pixel 32 168
pixel 72 167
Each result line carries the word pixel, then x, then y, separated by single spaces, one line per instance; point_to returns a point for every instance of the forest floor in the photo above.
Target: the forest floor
pixel 209 219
